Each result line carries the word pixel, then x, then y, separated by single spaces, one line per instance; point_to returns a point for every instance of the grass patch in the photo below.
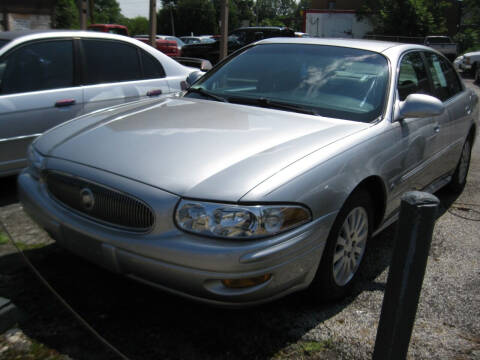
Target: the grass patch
pixel 3 238
pixel 24 247
pixel 308 350
pixel 35 351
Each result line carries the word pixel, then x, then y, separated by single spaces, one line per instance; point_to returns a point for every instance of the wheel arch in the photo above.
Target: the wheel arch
pixel 376 188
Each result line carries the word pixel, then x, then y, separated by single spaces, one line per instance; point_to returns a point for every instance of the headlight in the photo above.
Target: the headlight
pixel 238 221
pixel 35 161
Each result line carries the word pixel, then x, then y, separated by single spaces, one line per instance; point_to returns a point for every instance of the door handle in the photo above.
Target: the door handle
pixel 468 109
pixel 155 92
pixel 436 129
pixel 64 102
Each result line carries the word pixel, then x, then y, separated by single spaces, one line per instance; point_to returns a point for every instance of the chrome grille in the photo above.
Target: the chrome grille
pixel 99 202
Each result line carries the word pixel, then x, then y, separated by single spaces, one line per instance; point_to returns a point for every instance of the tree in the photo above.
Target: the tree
pixel 275 12
pixel 468 36
pixel 107 12
pixel 65 15
pixel 136 26
pixel 406 17
pixel 197 16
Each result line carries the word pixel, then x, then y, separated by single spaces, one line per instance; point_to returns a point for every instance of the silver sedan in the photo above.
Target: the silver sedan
pixel 268 176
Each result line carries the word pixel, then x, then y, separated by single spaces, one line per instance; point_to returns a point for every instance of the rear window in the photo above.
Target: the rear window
pixel 110 61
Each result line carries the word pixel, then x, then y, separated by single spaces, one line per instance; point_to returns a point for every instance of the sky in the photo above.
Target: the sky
pixel 133 8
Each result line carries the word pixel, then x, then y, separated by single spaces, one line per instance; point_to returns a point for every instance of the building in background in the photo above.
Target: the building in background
pixel 26 14
pixel 338 18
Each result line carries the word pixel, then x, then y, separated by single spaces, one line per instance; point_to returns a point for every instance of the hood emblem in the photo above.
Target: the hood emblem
pixel 87 199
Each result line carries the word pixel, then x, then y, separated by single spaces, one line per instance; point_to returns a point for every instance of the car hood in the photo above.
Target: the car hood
pixel 193 148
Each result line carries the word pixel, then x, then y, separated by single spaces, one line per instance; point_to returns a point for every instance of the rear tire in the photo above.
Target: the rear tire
pixel 345 248
pixel 459 178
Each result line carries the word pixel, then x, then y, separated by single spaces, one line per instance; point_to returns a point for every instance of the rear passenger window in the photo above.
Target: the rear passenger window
pixel 445 81
pixel 110 61
pixel 151 67
pixel 37 66
pixel 412 78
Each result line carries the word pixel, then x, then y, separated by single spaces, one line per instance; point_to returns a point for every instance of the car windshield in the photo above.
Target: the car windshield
pixel 330 81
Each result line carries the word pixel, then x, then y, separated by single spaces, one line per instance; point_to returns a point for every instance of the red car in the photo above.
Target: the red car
pixel 168 47
pixel 109 28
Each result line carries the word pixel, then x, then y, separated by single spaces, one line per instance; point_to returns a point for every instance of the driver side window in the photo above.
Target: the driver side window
pixel 412 78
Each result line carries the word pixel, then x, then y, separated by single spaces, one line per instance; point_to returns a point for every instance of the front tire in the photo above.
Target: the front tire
pixel 345 248
pixel 459 178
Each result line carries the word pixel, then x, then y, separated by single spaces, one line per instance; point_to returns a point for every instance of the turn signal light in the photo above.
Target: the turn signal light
pixel 247 282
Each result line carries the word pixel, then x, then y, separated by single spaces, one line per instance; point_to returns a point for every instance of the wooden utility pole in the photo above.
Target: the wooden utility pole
pixel 83 14
pixel 153 22
pixel 90 11
pixel 224 30
pixel 171 17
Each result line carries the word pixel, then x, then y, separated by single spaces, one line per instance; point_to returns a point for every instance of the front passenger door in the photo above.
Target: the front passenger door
pixel 419 135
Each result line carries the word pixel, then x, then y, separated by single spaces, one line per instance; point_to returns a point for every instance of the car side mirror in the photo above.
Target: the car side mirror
pixel 193 77
pixel 419 106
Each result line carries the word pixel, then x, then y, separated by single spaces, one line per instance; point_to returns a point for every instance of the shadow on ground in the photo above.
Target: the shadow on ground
pixel 144 323
pixel 8 190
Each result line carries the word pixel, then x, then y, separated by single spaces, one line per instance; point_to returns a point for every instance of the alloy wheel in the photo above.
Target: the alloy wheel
pixel 350 246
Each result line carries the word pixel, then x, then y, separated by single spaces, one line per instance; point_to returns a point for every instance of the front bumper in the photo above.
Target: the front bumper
pixel 184 264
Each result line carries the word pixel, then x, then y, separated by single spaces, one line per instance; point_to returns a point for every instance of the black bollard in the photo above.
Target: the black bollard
pixel 418 212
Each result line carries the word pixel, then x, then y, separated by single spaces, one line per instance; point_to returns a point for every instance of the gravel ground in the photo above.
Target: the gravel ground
pixel 146 324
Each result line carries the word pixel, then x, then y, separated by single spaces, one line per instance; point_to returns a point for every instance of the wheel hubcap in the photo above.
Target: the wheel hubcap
pixel 350 246
pixel 464 161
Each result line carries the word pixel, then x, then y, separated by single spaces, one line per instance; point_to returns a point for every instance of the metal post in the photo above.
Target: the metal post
pixel 418 212
pixel 224 30
pixel 153 23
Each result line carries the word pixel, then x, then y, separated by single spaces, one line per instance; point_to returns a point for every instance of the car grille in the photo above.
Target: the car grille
pixel 100 203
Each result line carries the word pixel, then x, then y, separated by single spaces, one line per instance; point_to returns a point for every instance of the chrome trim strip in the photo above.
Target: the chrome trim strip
pixel 20 137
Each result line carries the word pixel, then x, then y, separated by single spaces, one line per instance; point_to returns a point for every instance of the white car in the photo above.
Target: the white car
pixel 49 77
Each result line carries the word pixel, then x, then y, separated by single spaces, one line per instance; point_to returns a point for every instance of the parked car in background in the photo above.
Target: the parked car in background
pixel 109 28
pixel 237 39
pixel 168 47
pixel 268 176
pixel 471 64
pixel 443 44
pixel 179 41
pixel 49 77
pixel 196 39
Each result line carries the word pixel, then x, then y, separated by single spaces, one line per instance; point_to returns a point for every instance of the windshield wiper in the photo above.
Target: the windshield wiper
pixel 280 105
pixel 206 93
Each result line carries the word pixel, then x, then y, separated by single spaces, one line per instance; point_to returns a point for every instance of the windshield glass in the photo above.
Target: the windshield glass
pixel 330 81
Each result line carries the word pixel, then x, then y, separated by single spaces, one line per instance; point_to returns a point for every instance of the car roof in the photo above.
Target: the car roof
pixel 34 34
pixel 371 45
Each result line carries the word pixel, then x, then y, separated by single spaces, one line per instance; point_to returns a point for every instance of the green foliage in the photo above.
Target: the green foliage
pixel 3 238
pixel 107 12
pixel 136 26
pixel 275 12
pixel 65 15
pixel 468 38
pixel 406 17
pixel 197 16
